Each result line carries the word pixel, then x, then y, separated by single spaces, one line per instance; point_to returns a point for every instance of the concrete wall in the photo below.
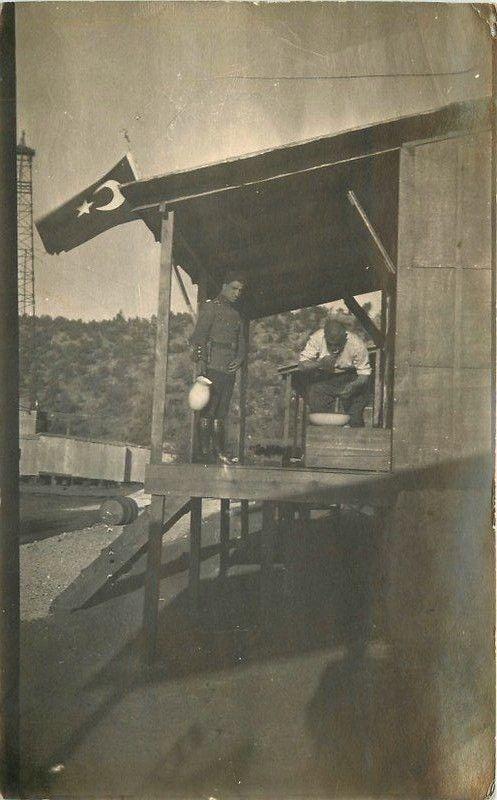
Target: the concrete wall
pixel 78 458
pixel 28 464
pixel 27 422
pixel 64 456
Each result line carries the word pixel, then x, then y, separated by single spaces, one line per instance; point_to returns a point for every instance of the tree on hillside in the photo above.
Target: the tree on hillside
pixel 95 379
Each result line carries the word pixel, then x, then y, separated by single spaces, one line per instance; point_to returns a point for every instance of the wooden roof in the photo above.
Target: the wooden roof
pixel 283 217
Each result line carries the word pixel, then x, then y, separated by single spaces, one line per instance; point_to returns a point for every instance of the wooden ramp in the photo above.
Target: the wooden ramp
pixel 117 558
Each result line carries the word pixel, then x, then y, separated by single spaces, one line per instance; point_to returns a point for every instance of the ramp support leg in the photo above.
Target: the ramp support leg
pixel 195 553
pixel 244 511
pixel 267 555
pixel 224 539
pixel 290 555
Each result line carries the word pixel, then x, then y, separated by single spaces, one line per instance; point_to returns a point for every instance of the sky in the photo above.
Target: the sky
pixel 182 84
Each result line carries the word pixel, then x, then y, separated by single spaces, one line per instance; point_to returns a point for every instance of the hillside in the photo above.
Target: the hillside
pixel 94 379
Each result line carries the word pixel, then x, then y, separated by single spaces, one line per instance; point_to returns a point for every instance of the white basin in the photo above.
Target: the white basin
pixel 318 418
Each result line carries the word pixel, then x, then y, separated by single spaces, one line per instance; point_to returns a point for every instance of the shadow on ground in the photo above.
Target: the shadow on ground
pixel 305 699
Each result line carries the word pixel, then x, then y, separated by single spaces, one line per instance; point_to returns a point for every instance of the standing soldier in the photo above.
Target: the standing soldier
pixel 219 349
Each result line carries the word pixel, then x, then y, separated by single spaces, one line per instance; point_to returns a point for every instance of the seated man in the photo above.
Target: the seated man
pixel 337 364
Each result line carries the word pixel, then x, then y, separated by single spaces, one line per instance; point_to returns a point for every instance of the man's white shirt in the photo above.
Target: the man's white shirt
pixel 354 354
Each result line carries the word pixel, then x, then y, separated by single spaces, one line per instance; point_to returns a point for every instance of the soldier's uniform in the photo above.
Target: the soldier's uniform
pixel 217 341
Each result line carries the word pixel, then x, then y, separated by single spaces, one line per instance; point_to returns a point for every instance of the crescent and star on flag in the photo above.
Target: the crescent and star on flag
pixel 117 199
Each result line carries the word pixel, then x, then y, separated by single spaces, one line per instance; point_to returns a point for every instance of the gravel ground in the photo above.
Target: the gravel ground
pixel 50 565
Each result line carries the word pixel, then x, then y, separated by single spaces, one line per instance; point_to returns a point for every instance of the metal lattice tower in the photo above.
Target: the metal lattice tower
pixel 25 259
pixel 25 246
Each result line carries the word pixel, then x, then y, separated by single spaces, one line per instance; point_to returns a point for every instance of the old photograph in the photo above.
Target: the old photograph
pixel 248 542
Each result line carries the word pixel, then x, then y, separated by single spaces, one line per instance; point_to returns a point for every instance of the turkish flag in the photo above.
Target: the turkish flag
pixel 99 207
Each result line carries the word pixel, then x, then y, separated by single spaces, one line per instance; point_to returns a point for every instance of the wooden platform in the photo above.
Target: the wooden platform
pixel 348 448
pixel 280 484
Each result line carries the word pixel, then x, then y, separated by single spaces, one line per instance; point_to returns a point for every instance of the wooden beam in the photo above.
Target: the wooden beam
pixel 287 401
pixel 390 313
pixel 152 575
pixel 195 553
pixel 154 547
pixel 184 292
pixel 201 298
pixel 244 520
pixel 268 534
pixel 297 485
pixel 197 261
pixel 117 557
pixel 250 184
pixel 296 411
pixel 290 550
pixel 162 336
pixel 224 537
pixel 321 153
pixel 389 265
pixel 377 396
pixel 367 323
pixel 245 332
pixel 303 431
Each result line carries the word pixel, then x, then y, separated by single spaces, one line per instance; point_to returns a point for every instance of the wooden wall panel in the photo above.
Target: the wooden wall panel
pixel 473 242
pixel 438 550
pixel 444 314
pixel 430 416
pixel 475 319
pixel 434 205
pixel 472 413
pixel 428 305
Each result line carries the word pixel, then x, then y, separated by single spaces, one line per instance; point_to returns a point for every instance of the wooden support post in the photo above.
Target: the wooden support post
pixel 162 336
pixel 267 555
pixel 296 410
pixel 154 549
pixel 224 538
pixel 377 397
pixel 388 360
pixel 303 430
pixel 363 317
pixel 201 298
pixel 382 522
pixel 244 520
pixel 304 514
pixel 152 575
pixel 287 407
pixel 245 332
pixel 195 553
pixel 289 550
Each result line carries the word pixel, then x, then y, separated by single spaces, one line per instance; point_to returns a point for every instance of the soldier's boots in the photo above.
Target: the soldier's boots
pixel 219 442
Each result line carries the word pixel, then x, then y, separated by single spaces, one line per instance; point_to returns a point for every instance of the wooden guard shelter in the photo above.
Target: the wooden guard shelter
pixel 403 207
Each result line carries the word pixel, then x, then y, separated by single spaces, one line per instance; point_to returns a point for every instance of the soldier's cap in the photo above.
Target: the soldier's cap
pixel 234 275
pixel 334 331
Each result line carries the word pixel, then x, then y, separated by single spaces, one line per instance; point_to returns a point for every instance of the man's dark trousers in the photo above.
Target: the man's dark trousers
pixel 323 391
pixel 221 392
